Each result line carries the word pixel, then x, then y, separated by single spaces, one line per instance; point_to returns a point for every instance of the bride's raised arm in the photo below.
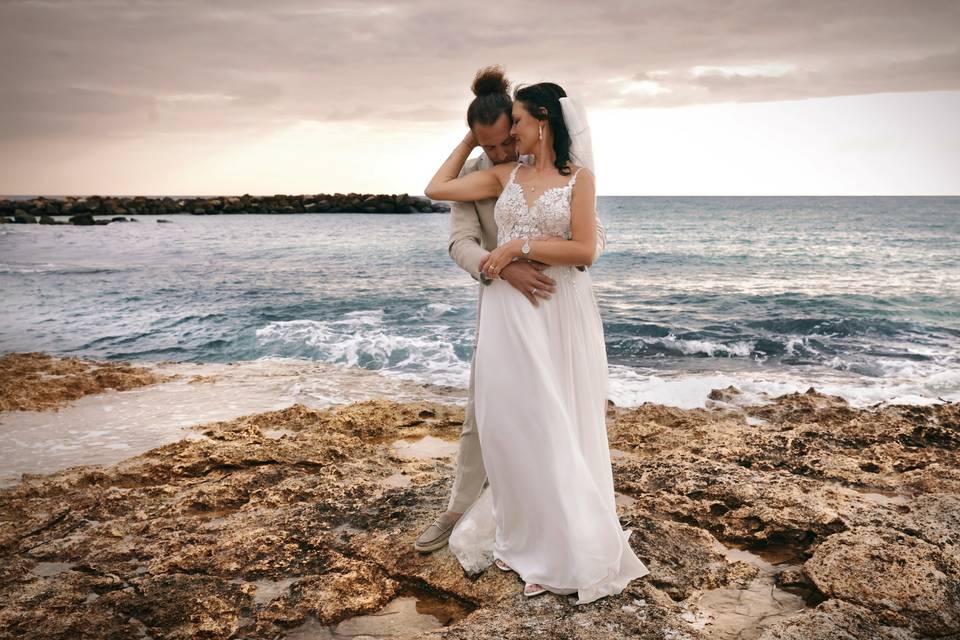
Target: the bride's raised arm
pixel 478 185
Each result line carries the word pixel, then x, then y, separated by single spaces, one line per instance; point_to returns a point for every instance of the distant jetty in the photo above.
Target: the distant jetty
pixel 81 209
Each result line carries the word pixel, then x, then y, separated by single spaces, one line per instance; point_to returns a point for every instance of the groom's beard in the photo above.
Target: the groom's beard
pixel 513 157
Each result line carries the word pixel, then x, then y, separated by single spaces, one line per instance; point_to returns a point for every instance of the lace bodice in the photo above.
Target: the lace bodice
pixel 549 215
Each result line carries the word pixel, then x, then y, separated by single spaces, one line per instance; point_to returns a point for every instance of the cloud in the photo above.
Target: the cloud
pixel 164 67
pixel 763 83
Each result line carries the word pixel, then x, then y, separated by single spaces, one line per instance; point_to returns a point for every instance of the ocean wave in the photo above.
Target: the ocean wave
pixel 434 311
pixel 896 366
pixel 170 323
pixel 361 339
pixel 54 269
pixel 26 268
pixel 674 345
pixel 832 327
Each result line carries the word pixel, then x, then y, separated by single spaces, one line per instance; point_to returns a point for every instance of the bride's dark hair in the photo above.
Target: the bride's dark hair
pixel 491 88
pixel 542 100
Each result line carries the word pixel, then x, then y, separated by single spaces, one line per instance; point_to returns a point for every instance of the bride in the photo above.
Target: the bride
pixel 548 512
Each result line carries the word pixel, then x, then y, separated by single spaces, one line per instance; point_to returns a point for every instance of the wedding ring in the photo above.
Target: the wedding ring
pixel 533 291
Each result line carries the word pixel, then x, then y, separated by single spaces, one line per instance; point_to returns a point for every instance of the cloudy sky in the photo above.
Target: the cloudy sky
pixel 698 97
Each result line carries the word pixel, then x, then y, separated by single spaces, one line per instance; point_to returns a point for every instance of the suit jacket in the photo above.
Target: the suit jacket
pixel 473 229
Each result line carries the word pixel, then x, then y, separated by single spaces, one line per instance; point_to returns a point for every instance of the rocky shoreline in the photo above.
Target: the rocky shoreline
pixel 797 517
pixel 37 381
pixel 81 209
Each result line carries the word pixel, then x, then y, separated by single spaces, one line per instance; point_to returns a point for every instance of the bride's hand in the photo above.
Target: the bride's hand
pixel 500 257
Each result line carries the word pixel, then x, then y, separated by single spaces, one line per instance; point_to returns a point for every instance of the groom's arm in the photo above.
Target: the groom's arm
pixel 601 239
pixel 601 242
pixel 466 236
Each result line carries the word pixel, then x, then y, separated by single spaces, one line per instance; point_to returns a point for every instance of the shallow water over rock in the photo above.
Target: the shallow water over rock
pixel 623 500
pixel 424 448
pixel 406 616
pixel 731 613
pixel 108 427
pixel 50 569
pixel 397 480
pixel 886 498
pixel 267 590
pixel 276 434
pixel 743 612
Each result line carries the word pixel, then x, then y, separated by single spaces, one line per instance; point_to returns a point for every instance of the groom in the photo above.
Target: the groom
pixel 473 234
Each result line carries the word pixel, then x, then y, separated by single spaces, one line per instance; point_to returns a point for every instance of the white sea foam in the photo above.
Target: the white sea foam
pixel 434 310
pixel 27 268
pixel 740 349
pixel 632 387
pixel 52 268
pixel 362 339
pixel 792 344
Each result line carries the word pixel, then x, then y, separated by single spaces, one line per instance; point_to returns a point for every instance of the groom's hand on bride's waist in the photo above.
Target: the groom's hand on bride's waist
pixel 526 277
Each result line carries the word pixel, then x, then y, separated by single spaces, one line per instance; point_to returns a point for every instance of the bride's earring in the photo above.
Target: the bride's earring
pixel 541 132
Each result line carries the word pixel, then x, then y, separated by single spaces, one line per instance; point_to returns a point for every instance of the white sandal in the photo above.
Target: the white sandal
pixel 503 566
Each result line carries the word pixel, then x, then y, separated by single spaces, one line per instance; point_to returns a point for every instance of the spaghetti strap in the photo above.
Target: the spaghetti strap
pixel 573 180
pixel 513 174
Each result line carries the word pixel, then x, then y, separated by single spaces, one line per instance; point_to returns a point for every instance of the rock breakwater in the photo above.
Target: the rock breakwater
pixel 83 208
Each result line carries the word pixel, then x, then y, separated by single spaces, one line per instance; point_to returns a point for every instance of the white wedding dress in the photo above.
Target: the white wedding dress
pixel 548 510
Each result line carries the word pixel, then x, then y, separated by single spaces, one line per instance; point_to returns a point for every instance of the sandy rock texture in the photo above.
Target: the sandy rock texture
pixel 294 521
pixel 40 382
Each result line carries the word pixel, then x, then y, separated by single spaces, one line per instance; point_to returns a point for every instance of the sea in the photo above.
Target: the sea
pixel 858 296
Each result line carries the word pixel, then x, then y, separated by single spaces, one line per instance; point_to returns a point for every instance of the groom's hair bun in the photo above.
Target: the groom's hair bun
pixel 491 88
pixel 490 80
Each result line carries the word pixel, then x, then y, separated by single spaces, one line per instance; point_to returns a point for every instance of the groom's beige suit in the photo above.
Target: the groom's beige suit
pixel 473 233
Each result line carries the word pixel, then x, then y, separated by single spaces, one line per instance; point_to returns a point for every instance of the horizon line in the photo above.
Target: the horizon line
pixel 646 195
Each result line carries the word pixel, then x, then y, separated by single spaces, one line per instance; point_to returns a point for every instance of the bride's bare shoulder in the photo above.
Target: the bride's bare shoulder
pixel 582 173
pixel 503 171
pixel 505 168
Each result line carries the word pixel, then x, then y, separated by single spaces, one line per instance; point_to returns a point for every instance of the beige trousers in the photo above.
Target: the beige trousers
pixel 471 474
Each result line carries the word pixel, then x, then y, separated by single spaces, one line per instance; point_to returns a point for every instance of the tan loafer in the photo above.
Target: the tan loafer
pixel 434 536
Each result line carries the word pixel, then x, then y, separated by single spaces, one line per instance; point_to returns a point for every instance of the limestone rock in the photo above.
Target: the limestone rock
pixel 238 533
pixel 903 580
